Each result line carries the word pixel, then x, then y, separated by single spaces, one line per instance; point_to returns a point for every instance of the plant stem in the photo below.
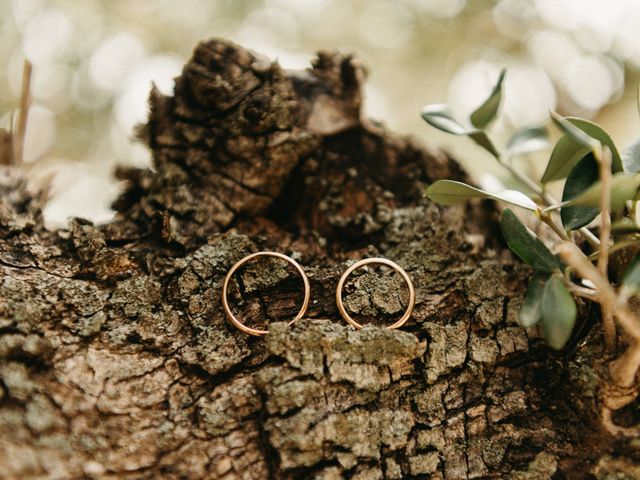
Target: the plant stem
pixel 604 161
pixel 524 178
pixel 590 237
pixel 572 255
pixel 624 368
pixel 584 292
pixel 25 100
pixel 546 218
pixel 605 210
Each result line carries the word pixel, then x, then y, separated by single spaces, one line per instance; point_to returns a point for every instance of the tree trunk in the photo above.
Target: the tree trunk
pixel 117 360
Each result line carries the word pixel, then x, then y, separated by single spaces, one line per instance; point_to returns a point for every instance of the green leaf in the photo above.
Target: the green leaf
pixel 596 131
pixel 583 175
pixel 564 156
pixel 525 245
pixel 625 225
pixel 568 127
pixel 631 279
pixel 623 187
pixel 572 131
pixel 572 147
pixel 631 158
pixel 450 192
pixel 483 140
pixel 485 113
pixel 528 140
pixel 441 117
pixel 531 311
pixel 558 313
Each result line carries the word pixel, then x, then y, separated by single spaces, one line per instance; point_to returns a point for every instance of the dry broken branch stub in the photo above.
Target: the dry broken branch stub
pixel 116 359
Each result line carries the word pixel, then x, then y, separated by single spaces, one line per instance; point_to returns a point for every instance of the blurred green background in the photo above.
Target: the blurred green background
pixel 94 62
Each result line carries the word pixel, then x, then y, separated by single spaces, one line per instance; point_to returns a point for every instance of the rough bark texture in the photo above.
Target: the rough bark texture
pixel 116 359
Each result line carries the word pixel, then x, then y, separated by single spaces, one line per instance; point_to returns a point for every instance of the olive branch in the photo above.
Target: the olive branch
pixel 597 216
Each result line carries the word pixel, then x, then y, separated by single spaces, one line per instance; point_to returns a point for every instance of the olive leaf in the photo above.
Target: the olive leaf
pixel 631 279
pixel 558 313
pixel 441 117
pixel 631 157
pixel 485 113
pixel 450 192
pixel 564 156
pixel 531 311
pixel 526 245
pixel 597 132
pixel 623 187
pixel 625 225
pixel 583 175
pixel 581 137
pixel 528 140
pixel 573 131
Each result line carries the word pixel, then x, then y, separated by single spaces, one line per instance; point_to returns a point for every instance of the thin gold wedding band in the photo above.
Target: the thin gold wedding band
pixel 377 261
pixel 225 302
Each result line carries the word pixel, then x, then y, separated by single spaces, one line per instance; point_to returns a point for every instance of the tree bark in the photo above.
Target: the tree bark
pixel 117 361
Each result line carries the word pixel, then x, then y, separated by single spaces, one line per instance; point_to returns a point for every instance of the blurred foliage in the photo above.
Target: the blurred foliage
pixel 596 184
pixel 94 62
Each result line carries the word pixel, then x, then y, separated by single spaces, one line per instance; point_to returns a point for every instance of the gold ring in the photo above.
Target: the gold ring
pixel 377 261
pixel 225 302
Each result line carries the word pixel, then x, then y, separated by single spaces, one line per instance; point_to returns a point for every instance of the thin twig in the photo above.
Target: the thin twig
pixel 625 370
pixel 572 255
pixel 25 101
pixel 608 326
pixel 583 292
pixel 605 210
pixel 524 178
pixel 590 237
pixel 604 162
